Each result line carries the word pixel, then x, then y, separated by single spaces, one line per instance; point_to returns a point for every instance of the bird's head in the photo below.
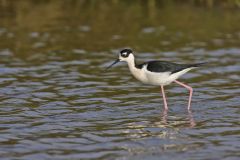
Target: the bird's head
pixel 125 55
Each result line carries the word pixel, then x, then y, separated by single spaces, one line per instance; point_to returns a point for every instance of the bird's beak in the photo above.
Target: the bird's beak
pixel 115 62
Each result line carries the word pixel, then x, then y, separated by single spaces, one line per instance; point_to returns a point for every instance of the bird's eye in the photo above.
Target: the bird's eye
pixel 124 54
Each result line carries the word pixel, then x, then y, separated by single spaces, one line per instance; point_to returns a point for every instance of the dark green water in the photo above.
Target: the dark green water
pixel 58 102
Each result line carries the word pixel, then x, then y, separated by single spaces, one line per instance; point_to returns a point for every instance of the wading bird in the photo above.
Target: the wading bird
pixel 158 73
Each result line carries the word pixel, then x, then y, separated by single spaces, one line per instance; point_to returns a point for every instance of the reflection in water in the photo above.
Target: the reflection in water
pixel 164 116
pixel 190 121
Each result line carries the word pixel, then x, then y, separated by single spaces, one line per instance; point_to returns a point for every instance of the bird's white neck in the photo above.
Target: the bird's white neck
pixel 136 72
pixel 131 63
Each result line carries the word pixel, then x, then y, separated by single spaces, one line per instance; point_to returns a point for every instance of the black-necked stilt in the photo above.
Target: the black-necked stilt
pixel 159 73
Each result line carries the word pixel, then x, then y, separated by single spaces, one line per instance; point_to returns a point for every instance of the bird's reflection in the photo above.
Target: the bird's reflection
pixel 191 119
pixel 164 117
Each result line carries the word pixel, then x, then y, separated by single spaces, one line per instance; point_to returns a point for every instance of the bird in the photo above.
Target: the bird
pixel 157 73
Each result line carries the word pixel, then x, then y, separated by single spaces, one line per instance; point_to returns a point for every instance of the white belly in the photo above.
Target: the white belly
pixel 164 78
pixel 159 78
pixel 155 78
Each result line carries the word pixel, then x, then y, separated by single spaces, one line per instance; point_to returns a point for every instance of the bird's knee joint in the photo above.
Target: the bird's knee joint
pixel 190 89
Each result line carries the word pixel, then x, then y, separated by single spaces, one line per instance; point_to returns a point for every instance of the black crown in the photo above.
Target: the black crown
pixel 125 52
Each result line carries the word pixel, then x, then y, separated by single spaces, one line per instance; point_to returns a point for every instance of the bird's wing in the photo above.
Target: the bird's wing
pixel 163 66
pixel 140 66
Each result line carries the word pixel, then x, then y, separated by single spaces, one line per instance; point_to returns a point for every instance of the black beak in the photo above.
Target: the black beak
pixel 115 62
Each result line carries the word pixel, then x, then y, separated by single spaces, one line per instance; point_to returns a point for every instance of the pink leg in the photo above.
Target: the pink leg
pixel 164 99
pixel 190 92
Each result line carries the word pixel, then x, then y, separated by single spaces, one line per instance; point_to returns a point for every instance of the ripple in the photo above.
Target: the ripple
pixel 59 102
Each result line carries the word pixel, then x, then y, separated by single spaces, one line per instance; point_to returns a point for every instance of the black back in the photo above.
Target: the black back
pixel 163 66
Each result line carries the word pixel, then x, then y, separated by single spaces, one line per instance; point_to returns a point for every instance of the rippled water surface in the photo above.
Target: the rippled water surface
pixel 57 101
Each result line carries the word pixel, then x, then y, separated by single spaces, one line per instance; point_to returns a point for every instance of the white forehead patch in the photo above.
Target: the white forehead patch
pixel 124 54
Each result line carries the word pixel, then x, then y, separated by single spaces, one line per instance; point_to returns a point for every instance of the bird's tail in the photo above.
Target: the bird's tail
pixel 197 64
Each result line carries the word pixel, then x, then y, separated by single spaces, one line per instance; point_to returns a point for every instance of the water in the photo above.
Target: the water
pixel 58 102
